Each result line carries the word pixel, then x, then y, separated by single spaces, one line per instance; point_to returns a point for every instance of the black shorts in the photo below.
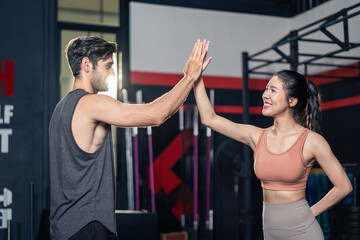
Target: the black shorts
pixel 92 231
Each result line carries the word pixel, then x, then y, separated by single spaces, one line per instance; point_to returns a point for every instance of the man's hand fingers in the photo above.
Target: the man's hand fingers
pixel 198 50
pixel 196 62
pixel 193 51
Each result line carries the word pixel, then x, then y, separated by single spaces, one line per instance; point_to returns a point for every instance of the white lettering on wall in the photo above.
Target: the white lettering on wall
pixel 5 213
pixel 6 113
pixel 4 134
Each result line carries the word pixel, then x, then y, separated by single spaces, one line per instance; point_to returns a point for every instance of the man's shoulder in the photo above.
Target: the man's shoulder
pixel 96 106
pixel 93 99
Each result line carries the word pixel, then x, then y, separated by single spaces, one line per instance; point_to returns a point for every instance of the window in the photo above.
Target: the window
pixel 103 12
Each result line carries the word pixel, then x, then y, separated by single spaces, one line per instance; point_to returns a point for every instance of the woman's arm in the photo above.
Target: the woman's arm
pixel 321 151
pixel 244 133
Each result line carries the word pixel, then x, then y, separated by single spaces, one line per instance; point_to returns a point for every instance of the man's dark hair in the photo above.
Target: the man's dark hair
pixel 94 48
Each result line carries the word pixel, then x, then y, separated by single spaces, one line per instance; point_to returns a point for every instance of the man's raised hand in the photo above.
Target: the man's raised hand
pixel 196 64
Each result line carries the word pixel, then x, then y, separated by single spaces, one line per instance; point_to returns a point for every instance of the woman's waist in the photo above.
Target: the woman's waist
pixel 280 197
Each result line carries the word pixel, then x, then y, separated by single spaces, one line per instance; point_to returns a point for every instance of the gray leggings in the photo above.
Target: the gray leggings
pixel 290 221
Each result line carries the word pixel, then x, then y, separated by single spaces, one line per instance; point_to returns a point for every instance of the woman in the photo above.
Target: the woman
pixel 284 154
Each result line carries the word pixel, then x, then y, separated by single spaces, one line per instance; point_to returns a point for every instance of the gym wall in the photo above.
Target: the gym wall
pixel 161 38
pixel 27 96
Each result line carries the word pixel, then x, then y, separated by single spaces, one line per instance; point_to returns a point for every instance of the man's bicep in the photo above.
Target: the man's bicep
pixel 108 110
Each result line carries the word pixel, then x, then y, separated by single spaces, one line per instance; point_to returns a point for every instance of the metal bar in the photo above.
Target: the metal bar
pixel 307 33
pixel 136 169
pixel 125 41
pixel 182 162
pixel 260 66
pixel 278 44
pixel 196 165
pixel 209 151
pixel 268 60
pixel 151 169
pixel 317 41
pixel 294 52
pixel 283 55
pixel 325 25
pixel 330 23
pixel 138 96
pixel 284 39
pixel 8 229
pixel 346 32
pixel 326 55
pixel 259 53
pixel 353 6
pixel 87 27
pixel 129 160
pixel 298 37
pixel 323 19
pixel 332 37
pixel 339 57
pixel 31 188
pixel 245 86
pixel 247 158
pixel 332 65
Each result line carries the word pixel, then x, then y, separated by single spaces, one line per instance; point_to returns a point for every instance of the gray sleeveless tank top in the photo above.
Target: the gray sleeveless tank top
pixel 82 184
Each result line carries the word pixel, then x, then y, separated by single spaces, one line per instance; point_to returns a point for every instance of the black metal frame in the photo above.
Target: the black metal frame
pixel 296 36
pixel 293 38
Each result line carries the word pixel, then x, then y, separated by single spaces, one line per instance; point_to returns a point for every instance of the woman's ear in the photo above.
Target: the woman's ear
pixel 293 102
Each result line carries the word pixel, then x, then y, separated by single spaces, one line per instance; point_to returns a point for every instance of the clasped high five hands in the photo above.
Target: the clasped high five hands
pixel 196 63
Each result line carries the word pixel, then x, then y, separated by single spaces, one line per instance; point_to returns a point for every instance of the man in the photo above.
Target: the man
pixel 81 160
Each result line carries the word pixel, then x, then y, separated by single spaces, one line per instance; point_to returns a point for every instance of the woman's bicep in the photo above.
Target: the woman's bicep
pixel 244 133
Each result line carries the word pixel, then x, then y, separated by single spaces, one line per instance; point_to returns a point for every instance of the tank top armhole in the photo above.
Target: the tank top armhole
pixel 302 144
pixel 259 140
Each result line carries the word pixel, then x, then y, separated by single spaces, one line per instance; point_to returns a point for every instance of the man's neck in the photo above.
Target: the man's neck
pixel 80 83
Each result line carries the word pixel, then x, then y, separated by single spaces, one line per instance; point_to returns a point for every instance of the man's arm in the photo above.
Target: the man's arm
pixel 108 110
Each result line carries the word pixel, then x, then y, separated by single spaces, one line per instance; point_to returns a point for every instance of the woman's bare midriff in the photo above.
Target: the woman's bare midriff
pixel 276 197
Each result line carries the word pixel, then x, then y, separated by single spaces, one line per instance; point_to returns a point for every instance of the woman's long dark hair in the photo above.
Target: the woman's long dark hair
pixel 307 110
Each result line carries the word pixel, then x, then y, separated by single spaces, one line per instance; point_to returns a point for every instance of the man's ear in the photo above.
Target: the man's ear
pixel 293 102
pixel 86 64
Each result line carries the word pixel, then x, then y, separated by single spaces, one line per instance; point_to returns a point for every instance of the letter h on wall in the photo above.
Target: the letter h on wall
pixel 7 76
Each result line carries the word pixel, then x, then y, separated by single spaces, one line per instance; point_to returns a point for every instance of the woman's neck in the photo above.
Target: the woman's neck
pixel 284 125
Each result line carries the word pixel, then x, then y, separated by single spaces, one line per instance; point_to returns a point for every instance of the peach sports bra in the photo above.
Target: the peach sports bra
pixel 285 171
